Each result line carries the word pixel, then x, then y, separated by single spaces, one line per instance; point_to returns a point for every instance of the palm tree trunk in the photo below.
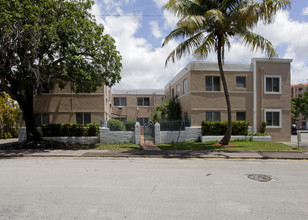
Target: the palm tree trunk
pixel 225 140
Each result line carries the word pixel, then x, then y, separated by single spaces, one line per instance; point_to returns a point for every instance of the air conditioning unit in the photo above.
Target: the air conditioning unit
pixel 120 107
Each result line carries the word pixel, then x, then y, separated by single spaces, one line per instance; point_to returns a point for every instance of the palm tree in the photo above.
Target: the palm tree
pixel 208 25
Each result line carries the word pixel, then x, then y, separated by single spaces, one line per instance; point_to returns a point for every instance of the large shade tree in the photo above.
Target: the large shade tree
pixel 207 26
pixel 44 43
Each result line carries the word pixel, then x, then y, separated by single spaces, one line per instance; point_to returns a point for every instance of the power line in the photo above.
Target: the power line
pixel 300 36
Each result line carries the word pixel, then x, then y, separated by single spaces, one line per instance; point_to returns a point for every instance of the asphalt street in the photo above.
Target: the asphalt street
pixel 101 188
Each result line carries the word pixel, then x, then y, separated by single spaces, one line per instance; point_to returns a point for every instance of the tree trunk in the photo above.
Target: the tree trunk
pixel 225 140
pixel 26 106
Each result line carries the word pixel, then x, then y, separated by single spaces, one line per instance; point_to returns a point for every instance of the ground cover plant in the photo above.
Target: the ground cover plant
pixel 242 145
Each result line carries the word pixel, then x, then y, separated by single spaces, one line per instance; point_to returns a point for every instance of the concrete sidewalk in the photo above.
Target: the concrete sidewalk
pixel 152 153
pixel 157 154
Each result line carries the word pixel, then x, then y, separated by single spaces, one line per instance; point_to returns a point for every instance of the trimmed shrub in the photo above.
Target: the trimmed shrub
pixel 263 127
pixel 93 129
pixel 130 125
pixel 69 130
pixel 220 127
pixel 78 130
pixel 115 125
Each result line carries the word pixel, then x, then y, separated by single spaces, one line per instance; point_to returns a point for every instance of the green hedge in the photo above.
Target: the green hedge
pixel 130 125
pixel 69 130
pixel 220 127
pixel 115 125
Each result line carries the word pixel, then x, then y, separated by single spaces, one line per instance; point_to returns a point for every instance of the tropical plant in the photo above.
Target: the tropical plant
pixel 170 109
pixel 208 25
pixel 44 43
pixel 9 115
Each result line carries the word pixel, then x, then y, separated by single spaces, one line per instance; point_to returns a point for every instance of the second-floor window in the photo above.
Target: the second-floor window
pixel 178 90
pixel 241 82
pixel 143 101
pixel 212 83
pixel 119 101
pixel 272 84
pixel 185 86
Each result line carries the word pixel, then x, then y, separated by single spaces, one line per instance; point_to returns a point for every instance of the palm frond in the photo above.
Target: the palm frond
pixel 250 14
pixel 186 47
pixel 207 46
pixel 184 7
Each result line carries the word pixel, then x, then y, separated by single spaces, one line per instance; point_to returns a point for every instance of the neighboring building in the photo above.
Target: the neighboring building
pixel 259 91
pixel 297 90
pixel 66 106
pixel 135 104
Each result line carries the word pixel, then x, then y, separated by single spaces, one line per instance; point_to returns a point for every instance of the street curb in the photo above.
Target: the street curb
pixel 257 155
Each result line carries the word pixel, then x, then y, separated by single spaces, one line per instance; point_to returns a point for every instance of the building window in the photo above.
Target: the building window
pixel 212 83
pixel 185 86
pixel 185 116
pixel 119 101
pixel 143 101
pixel 303 124
pixel 178 90
pixel 241 116
pixel 83 118
pixel 212 116
pixel 272 84
pixel 273 118
pixel 41 119
pixel 172 91
pixel 241 82
pixel 143 121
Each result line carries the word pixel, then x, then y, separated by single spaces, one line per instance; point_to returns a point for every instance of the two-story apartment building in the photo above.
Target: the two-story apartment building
pixel 135 104
pixel 67 106
pixel 297 90
pixel 259 91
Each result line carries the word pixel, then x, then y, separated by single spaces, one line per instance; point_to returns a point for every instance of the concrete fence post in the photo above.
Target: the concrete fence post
pixel 22 134
pixel 157 133
pixel 137 133
pixel 103 135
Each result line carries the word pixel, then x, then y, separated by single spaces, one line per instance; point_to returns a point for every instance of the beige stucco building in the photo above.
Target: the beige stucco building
pixel 135 104
pixel 259 91
pixel 66 106
pixel 297 90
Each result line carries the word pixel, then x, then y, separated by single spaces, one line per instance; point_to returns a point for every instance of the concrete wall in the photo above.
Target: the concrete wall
pixel 167 137
pixel 107 136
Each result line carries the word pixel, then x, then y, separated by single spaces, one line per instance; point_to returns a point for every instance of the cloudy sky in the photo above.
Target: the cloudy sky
pixel 139 27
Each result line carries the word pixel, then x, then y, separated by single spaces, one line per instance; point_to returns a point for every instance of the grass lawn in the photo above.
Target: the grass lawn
pixel 238 146
pixel 71 146
pixel 108 146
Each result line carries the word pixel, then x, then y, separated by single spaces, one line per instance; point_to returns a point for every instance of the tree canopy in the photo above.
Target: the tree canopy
pixel 299 106
pixel 44 43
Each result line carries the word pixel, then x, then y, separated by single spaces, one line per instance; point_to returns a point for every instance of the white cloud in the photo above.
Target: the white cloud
pixel 143 65
pixel 155 29
pixel 305 11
